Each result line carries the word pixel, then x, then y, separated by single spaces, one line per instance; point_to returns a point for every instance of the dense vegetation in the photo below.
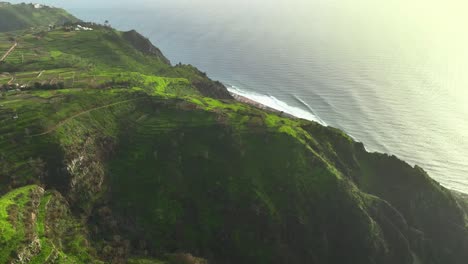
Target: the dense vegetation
pixel 108 154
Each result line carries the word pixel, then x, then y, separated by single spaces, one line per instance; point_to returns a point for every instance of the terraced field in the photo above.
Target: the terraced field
pixel 59 59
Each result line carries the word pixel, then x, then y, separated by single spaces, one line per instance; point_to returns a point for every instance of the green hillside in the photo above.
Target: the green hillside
pixel 24 16
pixel 109 154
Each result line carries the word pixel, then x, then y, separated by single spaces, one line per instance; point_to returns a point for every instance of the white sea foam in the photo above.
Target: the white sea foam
pixel 276 104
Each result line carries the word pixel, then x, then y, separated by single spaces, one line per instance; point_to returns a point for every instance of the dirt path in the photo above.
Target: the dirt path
pixel 9 51
pixel 61 123
pixel 40 74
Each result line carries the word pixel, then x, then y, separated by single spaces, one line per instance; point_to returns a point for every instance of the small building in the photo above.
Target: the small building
pixel 81 28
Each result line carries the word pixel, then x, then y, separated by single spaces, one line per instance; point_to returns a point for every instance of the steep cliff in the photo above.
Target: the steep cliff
pixel 110 154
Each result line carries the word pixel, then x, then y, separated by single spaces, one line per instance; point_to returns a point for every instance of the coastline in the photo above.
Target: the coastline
pixel 259 105
pixel 272 104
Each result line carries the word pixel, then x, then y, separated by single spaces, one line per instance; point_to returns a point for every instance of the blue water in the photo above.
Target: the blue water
pixel 389 73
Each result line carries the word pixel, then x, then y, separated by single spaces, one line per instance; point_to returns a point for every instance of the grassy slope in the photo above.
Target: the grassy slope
pixel 87 59
pixel 184 167
pixel 425 205
pixel 152 166
pixel 23 16
pixel 252 183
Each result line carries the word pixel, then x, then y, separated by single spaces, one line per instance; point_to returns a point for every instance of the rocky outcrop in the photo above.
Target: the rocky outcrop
pixel 144 45
pixel 200 81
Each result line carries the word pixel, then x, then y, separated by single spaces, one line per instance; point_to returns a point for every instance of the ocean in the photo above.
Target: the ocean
pixel 392 74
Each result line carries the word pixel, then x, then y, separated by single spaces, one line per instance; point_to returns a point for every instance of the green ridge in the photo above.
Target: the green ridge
pixel 23 16
pixel 145 162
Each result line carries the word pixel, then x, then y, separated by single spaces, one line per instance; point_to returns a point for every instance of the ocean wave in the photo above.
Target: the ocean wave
pixel 306 105
pixel 279 105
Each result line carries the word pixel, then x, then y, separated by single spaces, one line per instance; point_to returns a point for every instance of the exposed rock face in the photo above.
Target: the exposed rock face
pixel 85 172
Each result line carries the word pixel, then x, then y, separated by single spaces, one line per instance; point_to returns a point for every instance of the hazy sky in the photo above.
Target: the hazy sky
pixel 433 15
pixel 447 9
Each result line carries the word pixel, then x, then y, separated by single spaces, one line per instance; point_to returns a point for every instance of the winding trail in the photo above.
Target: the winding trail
pixel 9 52
pixel 61 123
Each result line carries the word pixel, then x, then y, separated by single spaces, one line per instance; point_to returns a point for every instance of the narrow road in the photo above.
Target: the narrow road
pixel 9 51
pixel 61 123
